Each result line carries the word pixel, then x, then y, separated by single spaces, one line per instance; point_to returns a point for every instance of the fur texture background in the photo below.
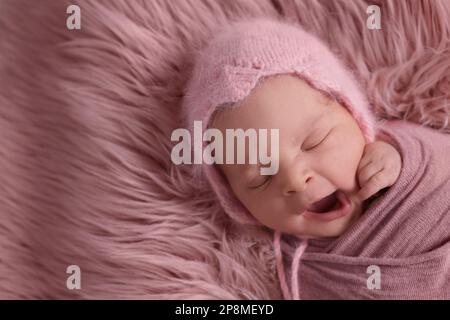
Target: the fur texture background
pixel 85 124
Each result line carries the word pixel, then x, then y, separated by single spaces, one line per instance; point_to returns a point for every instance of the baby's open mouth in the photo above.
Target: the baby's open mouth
pixel 333 206
pixel 329 203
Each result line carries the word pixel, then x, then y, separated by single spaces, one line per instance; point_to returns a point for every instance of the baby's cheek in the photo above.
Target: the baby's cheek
pixel 344 164
pixel 257 204
pixel 351 181
pixel 263 208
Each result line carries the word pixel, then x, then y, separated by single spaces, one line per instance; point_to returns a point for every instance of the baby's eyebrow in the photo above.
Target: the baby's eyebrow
pixel 316 122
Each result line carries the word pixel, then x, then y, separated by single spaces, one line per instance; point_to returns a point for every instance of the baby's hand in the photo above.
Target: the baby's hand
pixel 379 168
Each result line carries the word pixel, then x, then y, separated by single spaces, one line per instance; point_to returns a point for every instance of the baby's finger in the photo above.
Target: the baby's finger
pixel 365 173
pixel 370 150
pixel 365 161
pixel 375 184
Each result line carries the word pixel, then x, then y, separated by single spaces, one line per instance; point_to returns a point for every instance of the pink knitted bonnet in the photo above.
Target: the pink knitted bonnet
pixel 239 55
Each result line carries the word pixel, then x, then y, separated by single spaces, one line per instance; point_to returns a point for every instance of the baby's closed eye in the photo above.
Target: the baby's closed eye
pixel 313 143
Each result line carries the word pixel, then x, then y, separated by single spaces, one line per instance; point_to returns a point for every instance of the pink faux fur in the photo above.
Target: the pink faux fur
pixel 86 118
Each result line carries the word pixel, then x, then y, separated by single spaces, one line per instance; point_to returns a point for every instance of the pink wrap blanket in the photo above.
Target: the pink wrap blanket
pixel 403 235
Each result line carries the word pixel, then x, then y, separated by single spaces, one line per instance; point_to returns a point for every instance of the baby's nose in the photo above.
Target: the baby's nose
pixel 295 180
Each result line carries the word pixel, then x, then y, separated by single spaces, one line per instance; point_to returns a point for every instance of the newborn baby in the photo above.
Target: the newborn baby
pixel 359 207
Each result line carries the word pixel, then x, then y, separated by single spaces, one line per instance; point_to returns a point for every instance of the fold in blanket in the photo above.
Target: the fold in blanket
pixel 404 233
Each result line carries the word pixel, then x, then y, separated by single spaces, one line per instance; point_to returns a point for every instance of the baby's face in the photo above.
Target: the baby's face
pixel 320 146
